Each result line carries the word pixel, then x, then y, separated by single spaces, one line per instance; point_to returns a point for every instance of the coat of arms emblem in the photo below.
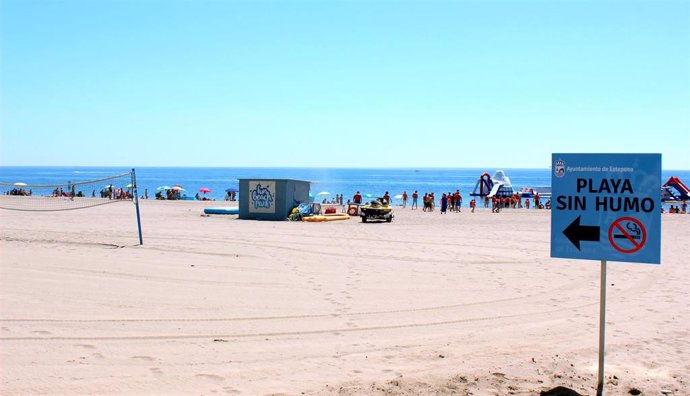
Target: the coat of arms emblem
pixel 559 168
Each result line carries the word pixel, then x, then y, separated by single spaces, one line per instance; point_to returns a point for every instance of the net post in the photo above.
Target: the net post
pixel 602 325
pixel 136 204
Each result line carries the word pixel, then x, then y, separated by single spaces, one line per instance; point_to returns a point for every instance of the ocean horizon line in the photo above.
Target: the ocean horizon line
pixel 419 168
pixel 268 167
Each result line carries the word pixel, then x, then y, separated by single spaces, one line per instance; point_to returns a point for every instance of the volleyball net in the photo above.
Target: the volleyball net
pixel 66 196
pixel 71 195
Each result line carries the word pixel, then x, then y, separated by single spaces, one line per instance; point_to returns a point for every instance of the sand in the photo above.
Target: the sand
pixel 467 303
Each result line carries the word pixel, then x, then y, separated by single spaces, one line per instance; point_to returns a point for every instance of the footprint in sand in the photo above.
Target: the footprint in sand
pixel 211 377
pixel 146 358
pixel 85 346
pixel 156 371
pixel 42 332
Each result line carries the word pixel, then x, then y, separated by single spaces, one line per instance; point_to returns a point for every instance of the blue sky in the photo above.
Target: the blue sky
pixel 342 83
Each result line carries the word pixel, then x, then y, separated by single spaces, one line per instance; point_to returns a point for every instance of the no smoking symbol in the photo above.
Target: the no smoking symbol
pixel 627 235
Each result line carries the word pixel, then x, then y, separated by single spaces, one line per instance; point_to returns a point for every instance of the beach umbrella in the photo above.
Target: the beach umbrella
pixel 178 188
pixel 204 190
pixel 368 195
pixel 231 189
pixel 163 188
pixel 130 185
pixel 108 186
pixel 20 184
pixel 324 193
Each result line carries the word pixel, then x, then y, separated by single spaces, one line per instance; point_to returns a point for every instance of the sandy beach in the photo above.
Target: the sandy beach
pixel 463 303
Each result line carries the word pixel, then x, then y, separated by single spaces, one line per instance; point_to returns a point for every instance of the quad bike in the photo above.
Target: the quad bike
pixel 376 210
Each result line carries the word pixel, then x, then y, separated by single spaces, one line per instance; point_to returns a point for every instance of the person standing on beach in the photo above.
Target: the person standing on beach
pixel 473 204
pixel 414 200
pixel 444 203
pixel 458 201
pixel 404 195
pixel 425 202
pixel 357 198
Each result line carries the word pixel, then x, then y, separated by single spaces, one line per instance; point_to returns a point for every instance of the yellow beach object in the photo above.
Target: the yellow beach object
pixel 318 219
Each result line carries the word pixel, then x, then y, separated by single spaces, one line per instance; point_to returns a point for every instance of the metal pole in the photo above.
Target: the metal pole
pixel 602 325
pixel 136 204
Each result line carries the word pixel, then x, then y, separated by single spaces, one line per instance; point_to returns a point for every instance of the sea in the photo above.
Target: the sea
pixel 326 182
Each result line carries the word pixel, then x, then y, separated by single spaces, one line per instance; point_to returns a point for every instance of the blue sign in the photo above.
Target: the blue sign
pixel 606 207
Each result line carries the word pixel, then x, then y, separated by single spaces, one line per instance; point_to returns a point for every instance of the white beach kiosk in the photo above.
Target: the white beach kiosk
pixel 271 199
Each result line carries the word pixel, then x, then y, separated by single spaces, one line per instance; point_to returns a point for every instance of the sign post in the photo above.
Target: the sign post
pixel 606 207
pixel 136 204
pixel 602 326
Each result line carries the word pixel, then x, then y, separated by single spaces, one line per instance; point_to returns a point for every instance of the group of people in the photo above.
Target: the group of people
pixel 70 192
pixel 169 194
pixel 449 201
pixel 203 198
pixel 337 200
pixel 452 201
pixel 682 209
pixel 20 192
pixel 514 201
pixel 113 193
pixel 498 203
pixel 357 199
